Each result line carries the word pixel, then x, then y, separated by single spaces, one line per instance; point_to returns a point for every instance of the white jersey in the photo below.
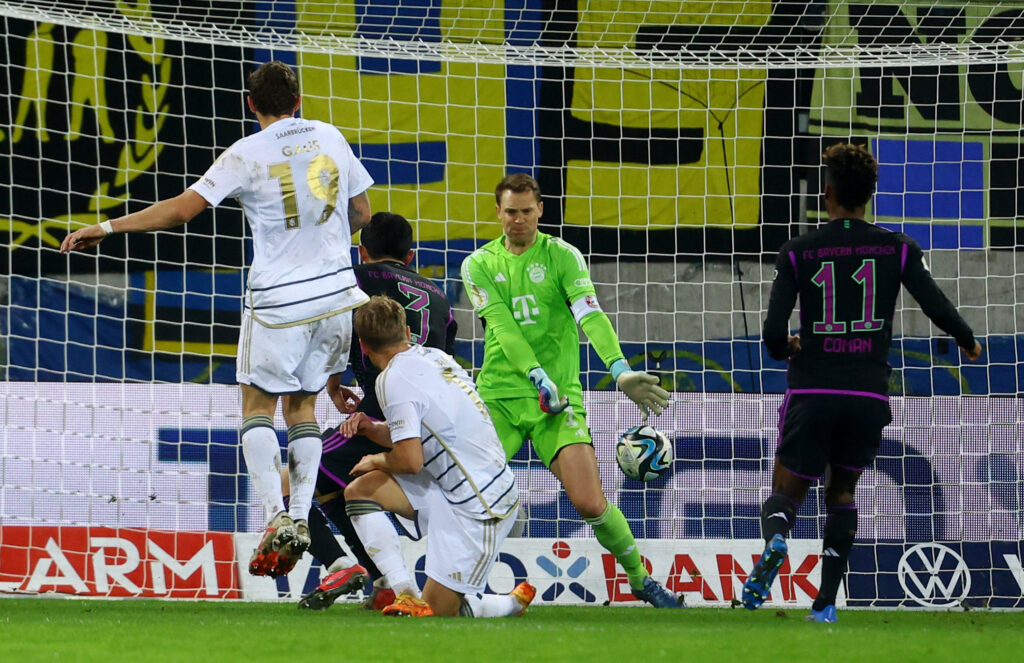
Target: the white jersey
pixel 424 393
pixel 294 180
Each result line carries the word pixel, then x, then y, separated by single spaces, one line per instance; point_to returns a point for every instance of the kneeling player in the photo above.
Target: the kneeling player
pixel 385 254
pixel 446 474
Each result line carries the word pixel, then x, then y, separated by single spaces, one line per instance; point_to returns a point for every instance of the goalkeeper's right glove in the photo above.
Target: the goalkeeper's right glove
pixel 642 388
pixel 547 392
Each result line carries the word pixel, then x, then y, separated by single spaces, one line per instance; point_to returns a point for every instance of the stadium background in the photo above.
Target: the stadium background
pixel 96 123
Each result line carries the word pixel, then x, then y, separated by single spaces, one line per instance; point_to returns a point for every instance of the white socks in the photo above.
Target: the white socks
pixel 304 450
pixel 343 562
pixel 381 541
pixel 263 458
pixel 490 605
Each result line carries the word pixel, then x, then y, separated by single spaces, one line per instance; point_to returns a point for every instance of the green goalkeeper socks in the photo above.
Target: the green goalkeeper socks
pixel 612 532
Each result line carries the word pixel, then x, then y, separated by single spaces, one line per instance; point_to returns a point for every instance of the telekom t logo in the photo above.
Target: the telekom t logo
pixel 524 308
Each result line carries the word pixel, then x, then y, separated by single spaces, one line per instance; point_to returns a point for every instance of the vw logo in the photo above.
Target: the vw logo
pixel 934 575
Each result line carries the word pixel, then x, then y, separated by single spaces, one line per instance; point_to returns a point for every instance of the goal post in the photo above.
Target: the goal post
pixel 677 144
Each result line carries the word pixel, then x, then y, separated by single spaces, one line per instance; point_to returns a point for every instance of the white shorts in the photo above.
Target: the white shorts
pixel 290 359
pixel 460 550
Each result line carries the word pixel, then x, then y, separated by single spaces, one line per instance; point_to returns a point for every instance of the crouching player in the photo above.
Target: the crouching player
pixel 385 253
pixel 446 474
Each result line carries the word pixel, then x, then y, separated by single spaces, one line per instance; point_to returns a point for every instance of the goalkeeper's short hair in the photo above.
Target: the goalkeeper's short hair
pixel 517 183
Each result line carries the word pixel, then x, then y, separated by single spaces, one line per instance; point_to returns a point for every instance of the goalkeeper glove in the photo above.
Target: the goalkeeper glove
pixel 642 388
pixel 547 392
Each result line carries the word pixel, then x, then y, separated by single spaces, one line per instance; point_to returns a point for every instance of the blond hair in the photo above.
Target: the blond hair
pixel 380 323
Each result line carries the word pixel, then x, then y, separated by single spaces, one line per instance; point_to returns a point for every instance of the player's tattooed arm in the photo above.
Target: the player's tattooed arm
pixel 358 212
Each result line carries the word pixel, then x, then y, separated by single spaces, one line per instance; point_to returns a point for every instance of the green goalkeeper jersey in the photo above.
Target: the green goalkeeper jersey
pixel 530 305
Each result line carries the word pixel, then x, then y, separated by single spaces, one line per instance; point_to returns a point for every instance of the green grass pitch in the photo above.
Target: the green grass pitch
pixel 137 630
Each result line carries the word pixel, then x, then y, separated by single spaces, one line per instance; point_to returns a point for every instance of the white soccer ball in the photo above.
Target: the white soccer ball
pixel 644 453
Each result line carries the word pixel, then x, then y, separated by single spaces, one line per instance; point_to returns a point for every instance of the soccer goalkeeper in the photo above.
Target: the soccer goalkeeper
pixel 530 290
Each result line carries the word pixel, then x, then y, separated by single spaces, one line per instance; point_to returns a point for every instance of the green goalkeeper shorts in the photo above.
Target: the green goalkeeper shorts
pixel 521 419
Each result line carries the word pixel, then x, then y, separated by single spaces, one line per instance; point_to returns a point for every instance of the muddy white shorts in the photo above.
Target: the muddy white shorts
pixel 460 550
pixel 286 360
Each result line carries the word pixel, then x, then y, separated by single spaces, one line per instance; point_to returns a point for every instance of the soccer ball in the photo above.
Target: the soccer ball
pixel 644 453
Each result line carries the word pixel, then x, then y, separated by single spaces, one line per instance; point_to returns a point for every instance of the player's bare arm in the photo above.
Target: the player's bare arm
pixel 361 424
pixel 162 215
pixel 405 458
pixel 359 212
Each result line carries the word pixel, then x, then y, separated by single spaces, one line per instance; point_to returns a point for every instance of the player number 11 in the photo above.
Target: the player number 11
pixel 825 279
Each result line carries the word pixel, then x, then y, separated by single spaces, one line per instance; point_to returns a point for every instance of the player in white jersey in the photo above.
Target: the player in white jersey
pixel 304 194
pixel 446 474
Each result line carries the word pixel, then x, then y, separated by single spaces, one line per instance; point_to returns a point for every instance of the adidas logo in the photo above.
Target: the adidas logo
pixel 829 552
pixel 457 576
pixel 499 277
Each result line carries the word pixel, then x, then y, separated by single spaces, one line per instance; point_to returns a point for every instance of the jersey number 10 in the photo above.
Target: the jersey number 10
pixel 826 280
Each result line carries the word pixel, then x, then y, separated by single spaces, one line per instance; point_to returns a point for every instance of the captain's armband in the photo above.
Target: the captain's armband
pixel 584 306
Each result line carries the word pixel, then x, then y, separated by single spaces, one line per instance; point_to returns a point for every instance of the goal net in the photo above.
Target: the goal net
pixel 677 144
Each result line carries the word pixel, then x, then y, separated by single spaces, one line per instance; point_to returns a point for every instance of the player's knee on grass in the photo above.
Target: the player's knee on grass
pixel 443 601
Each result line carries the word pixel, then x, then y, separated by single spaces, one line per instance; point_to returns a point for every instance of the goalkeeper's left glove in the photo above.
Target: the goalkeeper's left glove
pixel 642 388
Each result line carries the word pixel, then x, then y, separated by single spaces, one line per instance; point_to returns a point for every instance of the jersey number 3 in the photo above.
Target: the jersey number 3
pixel 826 280
pixel 322 176
pixel 419 302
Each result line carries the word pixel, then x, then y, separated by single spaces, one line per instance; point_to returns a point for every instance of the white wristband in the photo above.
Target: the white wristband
pixel 107 228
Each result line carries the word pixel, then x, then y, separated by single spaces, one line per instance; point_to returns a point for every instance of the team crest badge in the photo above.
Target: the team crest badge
pixel 537 272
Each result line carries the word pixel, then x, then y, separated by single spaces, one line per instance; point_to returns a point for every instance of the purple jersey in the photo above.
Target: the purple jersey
pixel 847 275
pixel 427 311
